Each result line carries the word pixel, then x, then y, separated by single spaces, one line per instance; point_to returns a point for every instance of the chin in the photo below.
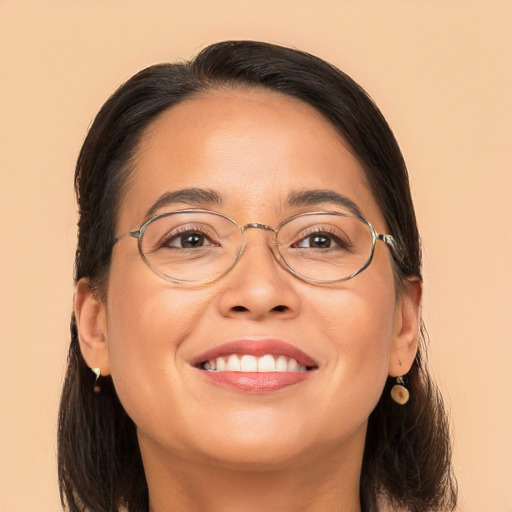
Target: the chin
pixel 267 447
pixel 261 456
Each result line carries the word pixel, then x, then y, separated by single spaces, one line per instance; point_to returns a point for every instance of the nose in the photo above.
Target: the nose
pixel 258 286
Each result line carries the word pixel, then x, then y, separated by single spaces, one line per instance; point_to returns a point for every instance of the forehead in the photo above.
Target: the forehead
pixel 252 147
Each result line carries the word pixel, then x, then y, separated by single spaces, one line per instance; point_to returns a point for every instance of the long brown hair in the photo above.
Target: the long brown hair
pixel 407 457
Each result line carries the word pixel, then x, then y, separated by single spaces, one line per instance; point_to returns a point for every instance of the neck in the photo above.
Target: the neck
pixel 329 483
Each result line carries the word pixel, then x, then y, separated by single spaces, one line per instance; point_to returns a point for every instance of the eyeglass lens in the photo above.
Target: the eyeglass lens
pixel 202 246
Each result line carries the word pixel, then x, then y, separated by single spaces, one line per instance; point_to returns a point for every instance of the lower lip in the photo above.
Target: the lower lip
pixel 256 382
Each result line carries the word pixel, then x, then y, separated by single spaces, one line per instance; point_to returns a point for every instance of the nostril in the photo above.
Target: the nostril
pixel 279 309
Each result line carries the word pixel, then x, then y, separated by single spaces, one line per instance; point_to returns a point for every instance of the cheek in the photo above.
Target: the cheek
pixel 360 313
pixel 145 330
pixel 360 330
pixel 358 325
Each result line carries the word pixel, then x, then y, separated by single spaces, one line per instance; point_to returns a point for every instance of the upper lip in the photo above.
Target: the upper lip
pixel 257 348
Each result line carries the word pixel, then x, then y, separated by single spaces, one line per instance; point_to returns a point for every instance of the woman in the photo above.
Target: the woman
pixel 247 321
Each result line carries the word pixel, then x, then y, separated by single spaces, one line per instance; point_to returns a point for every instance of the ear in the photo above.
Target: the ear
pixel 91 321
pixel 407 328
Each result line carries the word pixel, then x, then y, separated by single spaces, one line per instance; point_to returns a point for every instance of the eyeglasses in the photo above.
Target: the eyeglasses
pixel 199 246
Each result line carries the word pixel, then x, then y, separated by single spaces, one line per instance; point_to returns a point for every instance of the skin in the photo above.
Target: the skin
pixel 209 448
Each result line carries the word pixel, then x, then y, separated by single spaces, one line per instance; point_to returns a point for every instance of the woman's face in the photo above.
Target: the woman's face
pixel 253 149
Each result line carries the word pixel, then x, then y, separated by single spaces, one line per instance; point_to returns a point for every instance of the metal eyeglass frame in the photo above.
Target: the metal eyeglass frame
pixel 139 233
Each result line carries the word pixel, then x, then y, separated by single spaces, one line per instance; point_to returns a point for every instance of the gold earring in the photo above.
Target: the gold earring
pixel 399 393
pixel 97 387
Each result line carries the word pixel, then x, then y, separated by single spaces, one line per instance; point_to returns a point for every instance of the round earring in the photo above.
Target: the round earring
pixel 96 388
pixel 399 393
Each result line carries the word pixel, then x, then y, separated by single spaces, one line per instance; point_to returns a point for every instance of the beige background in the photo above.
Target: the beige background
pixel 441 73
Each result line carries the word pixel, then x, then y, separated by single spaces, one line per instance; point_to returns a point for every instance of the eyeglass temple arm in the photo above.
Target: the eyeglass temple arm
pixel 135 234
pixel 391 243
pixel 388 239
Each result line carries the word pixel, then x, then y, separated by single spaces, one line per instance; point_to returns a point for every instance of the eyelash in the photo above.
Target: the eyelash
pixel 342 242
pixel 183 230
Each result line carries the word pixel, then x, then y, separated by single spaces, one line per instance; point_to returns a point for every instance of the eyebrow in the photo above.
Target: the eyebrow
pixel 296 199
pixel 187 195
pixel 315 197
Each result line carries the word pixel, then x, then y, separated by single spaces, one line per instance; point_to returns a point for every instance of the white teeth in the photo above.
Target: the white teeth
pixel 220 364
pixel 267 364
pixel 233 364
pixel 248 363
pixel 281 364
pixel 293 366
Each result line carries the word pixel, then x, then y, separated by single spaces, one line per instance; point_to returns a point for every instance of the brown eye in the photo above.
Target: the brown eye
pixel 317 241
pixel 187 240
pixel 321 240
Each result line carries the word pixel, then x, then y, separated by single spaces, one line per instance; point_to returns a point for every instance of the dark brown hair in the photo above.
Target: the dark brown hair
pixel 407 457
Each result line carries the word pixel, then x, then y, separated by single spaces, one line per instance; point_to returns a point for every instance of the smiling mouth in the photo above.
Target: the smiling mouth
pixel 247 363
pixel 256 365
